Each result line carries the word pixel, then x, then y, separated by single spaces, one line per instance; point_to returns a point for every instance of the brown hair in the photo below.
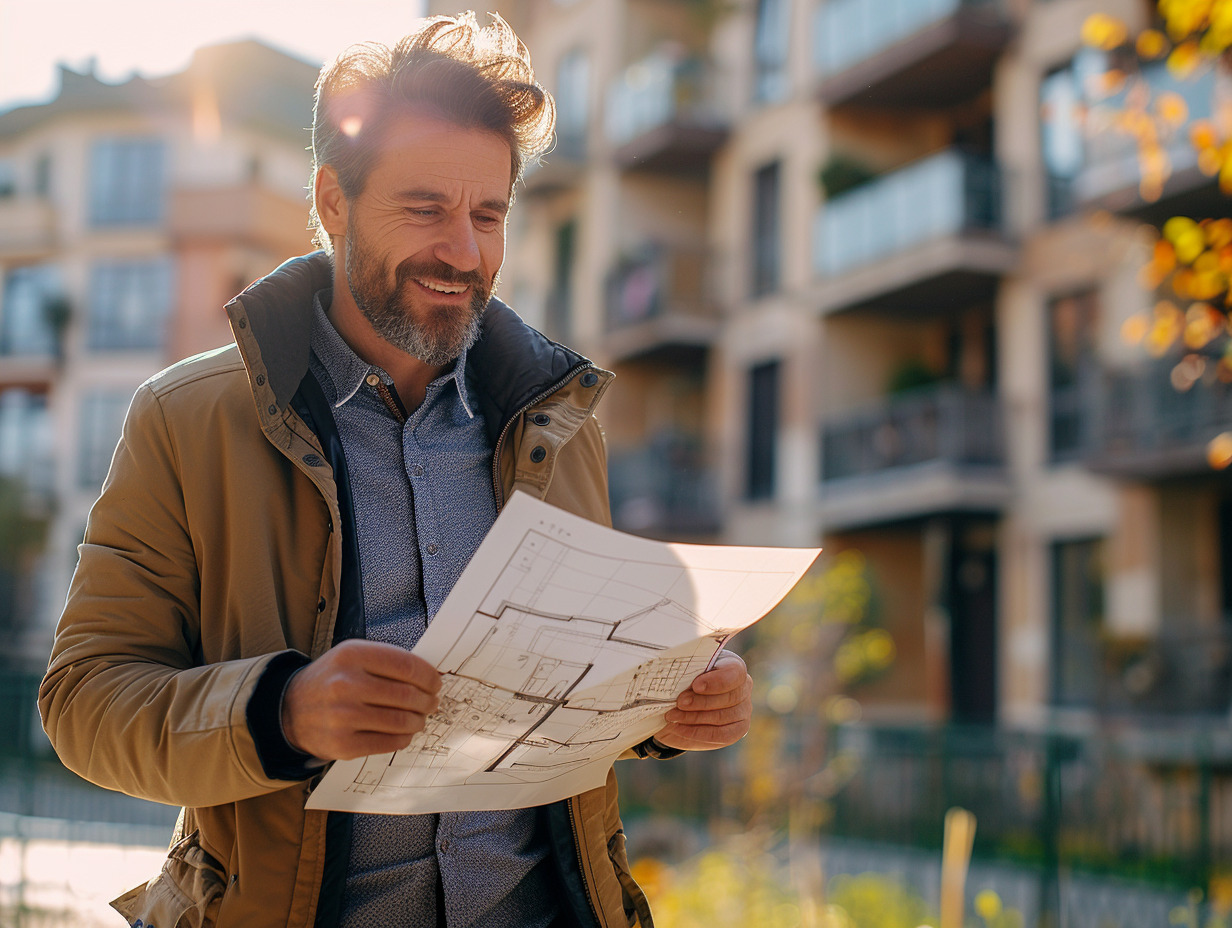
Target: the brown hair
pixel 478 78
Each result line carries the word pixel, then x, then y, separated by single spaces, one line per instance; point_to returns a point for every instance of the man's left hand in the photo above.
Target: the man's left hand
pixel 715 711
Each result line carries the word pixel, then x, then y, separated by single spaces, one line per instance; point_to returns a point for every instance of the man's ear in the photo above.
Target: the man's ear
pixel 330 201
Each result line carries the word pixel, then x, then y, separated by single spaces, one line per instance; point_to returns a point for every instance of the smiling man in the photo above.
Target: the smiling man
pixel 284 517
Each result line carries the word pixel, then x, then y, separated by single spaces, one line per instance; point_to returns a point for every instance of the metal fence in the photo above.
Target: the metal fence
pixel 945 423
pixel 1154 806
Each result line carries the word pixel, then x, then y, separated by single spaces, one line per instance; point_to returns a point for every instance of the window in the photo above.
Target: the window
pixel 25 439
pixel 765 278
pixel 130 301
pixel 1072 373
pixel 560 301
pixel 42 176
pixel 770 40
pixel 1061 102
pixel 763 430
pixel 572 104
pixel 127 182
pixel 1078 619
pixel 102 419
pixel 25 324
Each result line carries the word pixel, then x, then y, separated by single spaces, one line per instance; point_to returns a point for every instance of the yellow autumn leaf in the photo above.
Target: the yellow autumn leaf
pixel 1103 31
pixel 1202 134
pixel 1219 451
pixel 1184 59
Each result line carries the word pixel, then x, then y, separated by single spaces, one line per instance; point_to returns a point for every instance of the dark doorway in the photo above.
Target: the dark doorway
pixel 972 583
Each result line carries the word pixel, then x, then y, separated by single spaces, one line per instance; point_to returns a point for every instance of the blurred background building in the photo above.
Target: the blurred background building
pixel 863 276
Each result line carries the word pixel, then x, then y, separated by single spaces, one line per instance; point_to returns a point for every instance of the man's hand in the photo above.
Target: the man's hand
pixel 715 711
pixel 358 698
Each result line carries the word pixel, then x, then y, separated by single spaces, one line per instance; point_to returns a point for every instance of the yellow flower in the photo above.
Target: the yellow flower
pixel 1184 59
pixel 1103 31
pixel 987 904
pixel 1172 109
pixel 1151 44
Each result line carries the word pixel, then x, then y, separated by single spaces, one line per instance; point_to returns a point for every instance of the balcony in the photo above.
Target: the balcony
pixel 243 213
pixel 1185 671
pixel 664 489
pixel 933 450
pixel 27 228
pixel 903 54
pixel 1137 424
pixel 1111 173
pixel 658 305
pixel 931 233
pixel 662 115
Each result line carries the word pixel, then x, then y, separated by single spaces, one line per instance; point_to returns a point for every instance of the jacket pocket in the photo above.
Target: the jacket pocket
pixel 185 894
pixel 637 908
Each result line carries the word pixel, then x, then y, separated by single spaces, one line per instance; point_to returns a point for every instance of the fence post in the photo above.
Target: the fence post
pixel 1050 888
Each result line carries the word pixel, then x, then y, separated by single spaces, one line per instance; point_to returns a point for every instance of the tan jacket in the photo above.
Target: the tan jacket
pixel 215 547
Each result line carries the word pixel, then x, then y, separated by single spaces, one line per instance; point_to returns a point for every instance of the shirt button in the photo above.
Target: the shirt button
pixel 432 549
pixel 416 471
pixel 372 380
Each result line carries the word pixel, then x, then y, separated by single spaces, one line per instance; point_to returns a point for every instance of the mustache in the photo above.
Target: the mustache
pixel 438 270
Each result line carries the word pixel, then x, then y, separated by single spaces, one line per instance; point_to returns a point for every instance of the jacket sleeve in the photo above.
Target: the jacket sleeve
pixel 127 701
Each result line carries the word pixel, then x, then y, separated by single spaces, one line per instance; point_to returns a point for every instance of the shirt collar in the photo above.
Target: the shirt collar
pixel 347 371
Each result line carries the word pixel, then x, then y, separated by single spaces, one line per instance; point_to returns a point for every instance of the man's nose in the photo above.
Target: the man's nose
pixel 458 246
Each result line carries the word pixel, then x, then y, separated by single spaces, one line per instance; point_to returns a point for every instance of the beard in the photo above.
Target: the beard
pixel 435 334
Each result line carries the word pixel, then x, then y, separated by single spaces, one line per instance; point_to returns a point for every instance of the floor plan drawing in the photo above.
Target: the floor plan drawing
pixel 563 644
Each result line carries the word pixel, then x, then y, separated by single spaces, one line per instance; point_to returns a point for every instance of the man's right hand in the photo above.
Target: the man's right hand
pixel 358 698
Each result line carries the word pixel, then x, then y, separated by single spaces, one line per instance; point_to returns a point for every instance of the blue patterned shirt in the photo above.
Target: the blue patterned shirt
pixel 424 501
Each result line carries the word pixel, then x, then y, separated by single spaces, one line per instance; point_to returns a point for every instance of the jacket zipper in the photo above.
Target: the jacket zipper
pixel 500 440
pixel 580 864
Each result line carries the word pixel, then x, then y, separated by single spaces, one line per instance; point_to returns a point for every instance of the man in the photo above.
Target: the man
pixel 253 577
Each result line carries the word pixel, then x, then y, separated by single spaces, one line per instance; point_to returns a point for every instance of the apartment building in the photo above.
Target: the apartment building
pixel 129 214
pixel 862 275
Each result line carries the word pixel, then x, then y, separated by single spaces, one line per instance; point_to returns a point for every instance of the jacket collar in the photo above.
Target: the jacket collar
pixel 508 367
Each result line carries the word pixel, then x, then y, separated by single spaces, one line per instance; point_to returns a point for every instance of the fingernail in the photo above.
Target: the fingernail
pixel 685 700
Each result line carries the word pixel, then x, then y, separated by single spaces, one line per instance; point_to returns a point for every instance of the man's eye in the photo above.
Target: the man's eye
pixel 422 213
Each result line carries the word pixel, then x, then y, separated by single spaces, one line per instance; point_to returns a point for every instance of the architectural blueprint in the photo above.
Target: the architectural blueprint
pixel 563 644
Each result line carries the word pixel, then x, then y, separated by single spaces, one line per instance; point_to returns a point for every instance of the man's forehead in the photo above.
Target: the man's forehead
pixel 439 152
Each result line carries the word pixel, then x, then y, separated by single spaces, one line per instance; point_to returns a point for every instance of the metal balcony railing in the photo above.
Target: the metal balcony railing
pixel 846 32
pixel 1145 412
pixel 661 89
pixel 943 195
pixel 663 488
pixel 1137 418
pixel 659 281
pixel 1182 671
pixel 946 424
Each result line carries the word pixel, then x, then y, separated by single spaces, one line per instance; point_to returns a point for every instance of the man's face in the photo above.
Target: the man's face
pixel 426 237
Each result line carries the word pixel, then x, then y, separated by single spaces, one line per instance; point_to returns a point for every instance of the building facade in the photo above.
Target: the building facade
pixel 129 214
pixel 863 274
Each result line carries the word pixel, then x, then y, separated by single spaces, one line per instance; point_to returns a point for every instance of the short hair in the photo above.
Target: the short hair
pixel 477 78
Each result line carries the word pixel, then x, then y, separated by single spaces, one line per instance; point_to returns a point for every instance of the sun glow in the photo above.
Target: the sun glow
pixel 155 37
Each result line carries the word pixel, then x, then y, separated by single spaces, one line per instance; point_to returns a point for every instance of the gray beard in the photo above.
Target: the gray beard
pixel 436 344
